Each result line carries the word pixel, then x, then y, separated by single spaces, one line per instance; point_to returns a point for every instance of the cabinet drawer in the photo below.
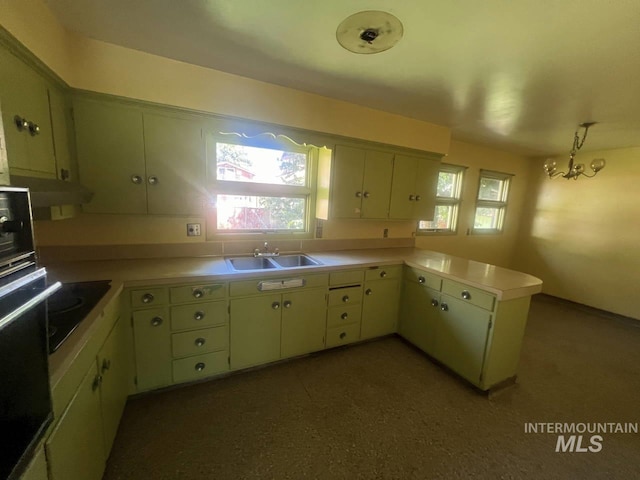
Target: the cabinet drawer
pixel 346 278
pixel 344 296
pixel 147 297
pixel 195 293
pixel 472 295
pixel 343 315
pixel 420 276
pixel 250 287
pixel 343 335
pixel 199 315
pixel 200 366
pixel 200 341
pixel 387 272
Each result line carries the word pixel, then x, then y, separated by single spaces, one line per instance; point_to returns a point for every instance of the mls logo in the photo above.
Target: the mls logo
pixel 573 444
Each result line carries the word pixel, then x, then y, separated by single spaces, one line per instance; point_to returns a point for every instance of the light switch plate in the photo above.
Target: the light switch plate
pixel 193 230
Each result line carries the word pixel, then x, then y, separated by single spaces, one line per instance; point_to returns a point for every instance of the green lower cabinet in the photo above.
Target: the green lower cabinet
pixel 461 337
pixel 152 340
pixel 255 330
pixel 303 322
pixel 380 308
pixel 419 315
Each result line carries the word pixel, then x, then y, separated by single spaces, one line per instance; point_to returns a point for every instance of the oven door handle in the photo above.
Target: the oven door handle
pixel 25 307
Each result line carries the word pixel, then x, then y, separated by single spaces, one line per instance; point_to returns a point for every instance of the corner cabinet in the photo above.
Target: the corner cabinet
pixel 139 161
pixel 465 328
pixel 381 301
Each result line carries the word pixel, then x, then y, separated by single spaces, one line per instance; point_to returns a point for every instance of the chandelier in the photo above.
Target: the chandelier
pixel 574 170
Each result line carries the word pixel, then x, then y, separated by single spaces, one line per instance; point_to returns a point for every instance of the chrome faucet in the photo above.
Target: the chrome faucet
pixel 266 252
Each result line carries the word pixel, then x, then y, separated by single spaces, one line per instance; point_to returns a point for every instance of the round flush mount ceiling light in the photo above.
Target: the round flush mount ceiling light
pixel 370 31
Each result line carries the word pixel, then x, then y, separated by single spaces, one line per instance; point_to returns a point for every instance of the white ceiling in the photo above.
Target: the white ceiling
pixel 520 74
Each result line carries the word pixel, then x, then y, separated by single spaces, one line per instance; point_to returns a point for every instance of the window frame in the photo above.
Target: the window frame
pixel 217 187
pixel 500 204
pixel 454 202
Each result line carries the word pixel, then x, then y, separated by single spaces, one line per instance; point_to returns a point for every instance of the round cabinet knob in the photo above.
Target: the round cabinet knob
pixel 368 291
pixel 466 295
pixel 153 180
pixel 275 305
pixel 147 298
pixel 344 316
pixel 287 304
pixel 345 299
pixel 198 293
pixel 418 198
pixel 200 366
pixel 359 194
pixel 412 198
pixel 97 380
pixel 444 307
pixel 421 279
pixel 366 194
pixel 106 365
pixel 342 335
pixel 200 342
pixel 434 302
pixel 34 129
pixel 198 315
pixel 156 321
pixel 383 274
pixel 137 179
pixel 21 123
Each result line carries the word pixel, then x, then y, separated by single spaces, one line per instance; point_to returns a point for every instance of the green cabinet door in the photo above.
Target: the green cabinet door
pixel 413 189
pixel 376 187
pixel 113 366
pixel 23 93
pixel 347 178
pixel 380 308
pixel 462 334
pixel 175 165
pixel 303 322
pixel 75 449
pixel 110 149
pixel 255 330
pixel 426 188
pixel 419 316
pixel 152 340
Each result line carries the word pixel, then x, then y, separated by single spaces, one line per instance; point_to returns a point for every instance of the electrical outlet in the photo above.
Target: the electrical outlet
pixel 193 230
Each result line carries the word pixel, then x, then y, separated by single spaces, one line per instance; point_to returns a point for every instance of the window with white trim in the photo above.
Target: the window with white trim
pixel 491 202
pixel 261 187
pixel 448 194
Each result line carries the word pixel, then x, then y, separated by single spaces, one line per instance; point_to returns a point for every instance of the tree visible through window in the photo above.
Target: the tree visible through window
pixel 491 204
pixel 445 218
pixel 261 189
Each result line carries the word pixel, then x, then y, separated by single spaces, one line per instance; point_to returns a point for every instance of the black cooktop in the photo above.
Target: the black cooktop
pixel 69 306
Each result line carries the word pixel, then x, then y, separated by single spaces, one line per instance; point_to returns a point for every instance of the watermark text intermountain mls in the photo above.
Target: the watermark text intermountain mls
pixel 581 437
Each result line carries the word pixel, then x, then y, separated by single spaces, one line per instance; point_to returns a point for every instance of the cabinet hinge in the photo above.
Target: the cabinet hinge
pixel 229 309
pixel 490 323
pixel 72 115
pixel 481 377
pixel 135 380
pixel 229 360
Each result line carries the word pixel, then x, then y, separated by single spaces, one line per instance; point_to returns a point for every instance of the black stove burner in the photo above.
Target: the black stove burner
pixel 69 306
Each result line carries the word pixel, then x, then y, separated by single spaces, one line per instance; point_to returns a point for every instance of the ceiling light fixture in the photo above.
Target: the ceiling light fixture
pixel 575 170
pixel 369 32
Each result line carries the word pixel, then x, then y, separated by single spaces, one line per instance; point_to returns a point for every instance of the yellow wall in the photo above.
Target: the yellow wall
pixel 494 249
pixel 581 237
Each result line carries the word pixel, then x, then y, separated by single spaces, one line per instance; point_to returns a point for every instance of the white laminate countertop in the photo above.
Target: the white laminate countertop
pixel 504 283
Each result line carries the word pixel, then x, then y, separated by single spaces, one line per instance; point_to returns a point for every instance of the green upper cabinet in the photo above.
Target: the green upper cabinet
pixel 359 183
pixel 139 162
pixel 413 190
pixel 24 95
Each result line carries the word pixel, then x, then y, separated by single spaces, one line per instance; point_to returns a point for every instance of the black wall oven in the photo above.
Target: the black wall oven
pixel 25 395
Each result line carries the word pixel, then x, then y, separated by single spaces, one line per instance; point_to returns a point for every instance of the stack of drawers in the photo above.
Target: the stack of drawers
pixel 181 333
pixel 344 312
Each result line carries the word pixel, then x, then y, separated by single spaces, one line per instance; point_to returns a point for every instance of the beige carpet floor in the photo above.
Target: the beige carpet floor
pixel 383 410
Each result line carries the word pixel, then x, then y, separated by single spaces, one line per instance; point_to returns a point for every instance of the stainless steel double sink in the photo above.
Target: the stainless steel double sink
pixel 271 262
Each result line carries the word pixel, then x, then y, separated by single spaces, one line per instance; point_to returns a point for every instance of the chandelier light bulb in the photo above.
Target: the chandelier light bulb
pixel 597 164
pixel 549 166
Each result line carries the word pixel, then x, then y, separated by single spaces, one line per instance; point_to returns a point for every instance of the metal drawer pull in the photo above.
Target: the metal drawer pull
pixel 198 315
pixel 200 366
pixel 137 179
pixel 412 198
pixel 156 321
pixel 366 194
pixel 153 180
pixel 97 381
pixel 200 342
pixel 444 307
pixel 466 295
pixel 368 291
pixel 421 279
pixel 147 298
pixel 418 197
pixel 198 293
pixel 106 365
pixel 434 302
pixel 344 316
pixel 342 335
pixel 275 305
pixel 287 304
pixel 359 194
pixel 345 299
pixel 383 274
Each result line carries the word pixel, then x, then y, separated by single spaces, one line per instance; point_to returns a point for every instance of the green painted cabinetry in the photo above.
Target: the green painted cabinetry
pixel 138 161
pixel 303 322
pixel 413 190
pixel 419 311
pixel 381 301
